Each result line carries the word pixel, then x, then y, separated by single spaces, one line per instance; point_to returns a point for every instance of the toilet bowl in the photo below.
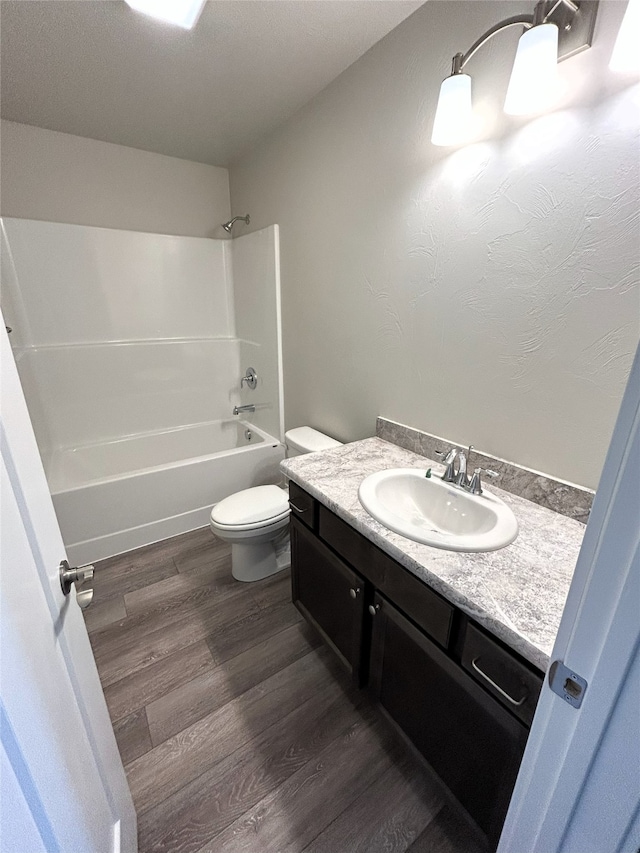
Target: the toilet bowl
pixel 256 521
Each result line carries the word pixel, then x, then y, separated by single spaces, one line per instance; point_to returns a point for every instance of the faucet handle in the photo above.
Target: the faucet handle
pixel 449 459
pixel 447 455
pixel 251 378
pixel 475 486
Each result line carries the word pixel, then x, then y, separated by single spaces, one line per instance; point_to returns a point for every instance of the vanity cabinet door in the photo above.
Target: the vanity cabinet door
pixel 473 745
pixel 329 595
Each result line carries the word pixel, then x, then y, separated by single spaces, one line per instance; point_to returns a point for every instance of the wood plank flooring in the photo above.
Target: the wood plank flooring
pixel 238 730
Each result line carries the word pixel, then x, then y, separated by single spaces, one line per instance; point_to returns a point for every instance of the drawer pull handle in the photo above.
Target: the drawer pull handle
pixel 297 508
pixel 354 593
pixel 373 609
pixel 516 702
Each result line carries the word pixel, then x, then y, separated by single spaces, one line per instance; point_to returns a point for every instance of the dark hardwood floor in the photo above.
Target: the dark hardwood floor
pixel 237 728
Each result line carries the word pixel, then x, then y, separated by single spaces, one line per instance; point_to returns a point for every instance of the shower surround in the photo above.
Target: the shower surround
pixel 130 348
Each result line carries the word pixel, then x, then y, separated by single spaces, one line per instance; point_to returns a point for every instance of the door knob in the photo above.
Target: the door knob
pixel 69 576
pixel 373 609
pixel 84 598
pixel 354 593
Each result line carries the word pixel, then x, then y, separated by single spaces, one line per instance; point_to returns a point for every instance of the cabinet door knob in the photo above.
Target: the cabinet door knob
pixel 354 593
pixel 373 609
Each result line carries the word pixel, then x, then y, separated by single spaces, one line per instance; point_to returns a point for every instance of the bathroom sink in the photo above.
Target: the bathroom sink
pixel 436 513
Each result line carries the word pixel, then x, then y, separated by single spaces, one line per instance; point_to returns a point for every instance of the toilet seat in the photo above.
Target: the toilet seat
pixel 251 509
pixel 279 521
pixel 255 521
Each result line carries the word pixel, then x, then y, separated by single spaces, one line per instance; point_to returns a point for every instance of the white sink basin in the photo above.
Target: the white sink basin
pixel 435 513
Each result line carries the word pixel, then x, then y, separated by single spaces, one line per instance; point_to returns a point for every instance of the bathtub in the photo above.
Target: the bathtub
pixel 118 495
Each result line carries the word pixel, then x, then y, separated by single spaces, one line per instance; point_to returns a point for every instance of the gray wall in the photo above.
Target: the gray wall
pixel 58 177
pixel 489 295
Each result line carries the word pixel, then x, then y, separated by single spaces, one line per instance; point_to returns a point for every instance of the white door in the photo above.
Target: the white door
pixel 578 790
pixel 62 784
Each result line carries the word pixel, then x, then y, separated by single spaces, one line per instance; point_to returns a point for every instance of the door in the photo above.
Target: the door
pixel 63 787
pixel 471 742
pixel 329 594
pixel 578 790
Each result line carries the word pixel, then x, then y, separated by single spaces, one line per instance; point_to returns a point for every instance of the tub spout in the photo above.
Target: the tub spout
pixel 238 409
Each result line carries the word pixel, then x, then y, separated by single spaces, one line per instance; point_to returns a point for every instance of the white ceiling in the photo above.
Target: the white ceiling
pixel 100 70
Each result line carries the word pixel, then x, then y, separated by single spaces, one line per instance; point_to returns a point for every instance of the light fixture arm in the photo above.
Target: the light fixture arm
pixel 460 59
pixel 540 16
pixel 568 3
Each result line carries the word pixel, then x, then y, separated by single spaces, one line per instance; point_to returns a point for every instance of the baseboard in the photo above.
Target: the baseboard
pixel 91 550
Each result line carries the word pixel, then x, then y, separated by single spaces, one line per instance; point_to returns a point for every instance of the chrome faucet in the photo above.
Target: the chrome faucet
pixel 449 459
pixel 238 409
pixel 457 474
pixel 463 479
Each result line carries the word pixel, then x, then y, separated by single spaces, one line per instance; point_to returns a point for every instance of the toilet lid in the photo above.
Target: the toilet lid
pixel 251 506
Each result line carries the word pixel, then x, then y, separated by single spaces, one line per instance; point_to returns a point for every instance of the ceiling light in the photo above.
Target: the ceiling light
pixel 626 51
pixel 566 25
pixel 182 13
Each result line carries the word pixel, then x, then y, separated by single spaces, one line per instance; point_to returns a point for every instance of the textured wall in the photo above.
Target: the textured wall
pixel 58 177
pixel 490 294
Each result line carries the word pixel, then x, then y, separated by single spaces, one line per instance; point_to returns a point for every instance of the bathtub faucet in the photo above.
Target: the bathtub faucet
pixel 238 409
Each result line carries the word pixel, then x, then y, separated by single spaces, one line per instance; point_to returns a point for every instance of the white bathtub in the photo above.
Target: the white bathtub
pixel 122 494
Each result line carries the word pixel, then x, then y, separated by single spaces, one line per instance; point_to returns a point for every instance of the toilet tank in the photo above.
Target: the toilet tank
pixel 307 440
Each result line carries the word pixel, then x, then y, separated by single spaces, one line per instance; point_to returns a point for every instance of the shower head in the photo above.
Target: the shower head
pixel 229 225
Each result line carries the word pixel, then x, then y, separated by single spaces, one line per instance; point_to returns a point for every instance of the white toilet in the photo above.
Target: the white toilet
pixel 255 521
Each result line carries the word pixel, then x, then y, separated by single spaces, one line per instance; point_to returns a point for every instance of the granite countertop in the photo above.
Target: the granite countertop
pixel 517 593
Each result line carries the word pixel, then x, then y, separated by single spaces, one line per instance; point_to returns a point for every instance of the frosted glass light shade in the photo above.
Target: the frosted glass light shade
pixel 626 51
pixel 452 123
pixel 182 13
pixel 535 71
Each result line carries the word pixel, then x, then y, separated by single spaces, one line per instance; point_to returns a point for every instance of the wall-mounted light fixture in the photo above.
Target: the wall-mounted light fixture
pixel 553 32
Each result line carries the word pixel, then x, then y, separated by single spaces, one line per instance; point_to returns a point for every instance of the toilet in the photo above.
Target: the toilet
pixel 256 521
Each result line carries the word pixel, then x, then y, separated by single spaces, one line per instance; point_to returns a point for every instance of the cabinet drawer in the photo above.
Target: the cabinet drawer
pixel 427 609
pixel 352 546
pixel 424 606
pixel 507 678
pixel 303 506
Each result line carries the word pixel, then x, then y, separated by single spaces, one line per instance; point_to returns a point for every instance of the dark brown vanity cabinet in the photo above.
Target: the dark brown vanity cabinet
pixel 461 696
pixel 473 745
pixel 329 594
